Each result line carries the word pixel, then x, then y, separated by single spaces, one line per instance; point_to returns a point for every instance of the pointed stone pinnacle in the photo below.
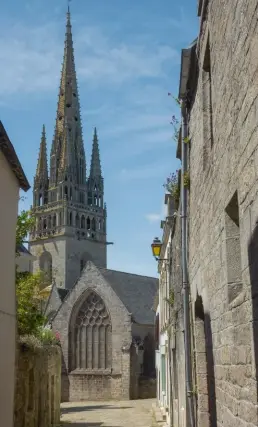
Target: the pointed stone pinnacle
pixel 42 169
pixel 95 167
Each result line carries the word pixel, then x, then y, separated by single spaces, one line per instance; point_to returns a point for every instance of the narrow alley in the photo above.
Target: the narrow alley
pixel 133 413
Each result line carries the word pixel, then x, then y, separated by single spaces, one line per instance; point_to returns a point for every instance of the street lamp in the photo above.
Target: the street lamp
pixel 156 249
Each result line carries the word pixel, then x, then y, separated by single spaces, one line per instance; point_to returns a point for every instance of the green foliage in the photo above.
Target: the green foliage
pixel 174 121
pixel 29 316
pixel 186 179
pixel 171 299
pixel 186 140
pixel 24 225
pixel 47 337
pixel 171 185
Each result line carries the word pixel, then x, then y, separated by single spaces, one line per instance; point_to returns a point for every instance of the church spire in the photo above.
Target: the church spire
pixel 42 172
pixel 68 119
pixel 40 190
pixel 95 167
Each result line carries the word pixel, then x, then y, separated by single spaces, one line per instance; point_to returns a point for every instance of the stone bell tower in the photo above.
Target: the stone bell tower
pixel 68 207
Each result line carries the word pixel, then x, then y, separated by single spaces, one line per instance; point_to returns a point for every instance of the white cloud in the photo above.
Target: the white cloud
pixel 156 217
pixel 32 58
pixel 153 217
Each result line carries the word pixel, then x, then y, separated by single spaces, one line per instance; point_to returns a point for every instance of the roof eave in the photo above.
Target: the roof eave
pixel 9 152
pixel 185 69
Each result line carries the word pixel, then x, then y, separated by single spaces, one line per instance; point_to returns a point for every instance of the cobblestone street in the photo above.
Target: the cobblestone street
pixel 133 413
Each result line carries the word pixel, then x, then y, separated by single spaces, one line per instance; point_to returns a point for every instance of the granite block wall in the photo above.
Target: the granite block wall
pixel 38 386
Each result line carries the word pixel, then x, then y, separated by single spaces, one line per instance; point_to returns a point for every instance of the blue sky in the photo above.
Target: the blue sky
pixel 127 56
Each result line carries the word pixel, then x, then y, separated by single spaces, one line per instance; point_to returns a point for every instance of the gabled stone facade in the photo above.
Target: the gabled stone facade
pixel 99 320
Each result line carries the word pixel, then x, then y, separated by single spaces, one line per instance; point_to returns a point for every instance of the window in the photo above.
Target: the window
pixel 93 224
pixel 88 223
pixel 233 249
pixel 91 336
pixel 163 373
pixel 45 264
pixel 70 218
pixel 83 221
pixel 207 106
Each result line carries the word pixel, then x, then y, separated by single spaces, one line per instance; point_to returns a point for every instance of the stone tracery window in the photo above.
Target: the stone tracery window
pixel 91 336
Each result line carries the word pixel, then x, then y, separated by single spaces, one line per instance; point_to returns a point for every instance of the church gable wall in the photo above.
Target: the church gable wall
pixel 78 252
pixel 88 382
pixel 53 303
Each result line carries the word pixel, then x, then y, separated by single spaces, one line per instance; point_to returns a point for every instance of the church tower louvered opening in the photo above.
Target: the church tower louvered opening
pixel 66 201
pixel 90 336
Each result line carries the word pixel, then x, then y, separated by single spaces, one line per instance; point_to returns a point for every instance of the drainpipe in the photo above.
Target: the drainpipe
pixel 186 293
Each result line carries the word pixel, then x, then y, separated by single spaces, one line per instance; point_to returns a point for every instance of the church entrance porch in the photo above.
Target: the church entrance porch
pixel 136 413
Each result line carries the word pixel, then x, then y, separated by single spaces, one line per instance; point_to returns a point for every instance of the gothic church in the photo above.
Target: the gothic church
pixel 104 317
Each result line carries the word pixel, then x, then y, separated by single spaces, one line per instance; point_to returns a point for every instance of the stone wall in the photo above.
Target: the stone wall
pixel 224 209
pixel 38 386
pixel 147 388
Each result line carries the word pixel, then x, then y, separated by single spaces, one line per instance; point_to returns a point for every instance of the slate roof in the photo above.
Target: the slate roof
pixel 136 292
pixel 9 152
pixel 21 249
pixel 62 293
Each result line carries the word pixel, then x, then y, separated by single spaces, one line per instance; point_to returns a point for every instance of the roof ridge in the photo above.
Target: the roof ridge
pixel 126 272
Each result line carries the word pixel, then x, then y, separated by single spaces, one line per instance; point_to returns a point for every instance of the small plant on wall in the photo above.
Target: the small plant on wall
pixel 172 187
pixel 175 123
pixel 171 298
pixel 187 179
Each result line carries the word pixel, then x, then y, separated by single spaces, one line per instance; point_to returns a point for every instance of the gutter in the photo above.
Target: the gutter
pixel 183 91
pixel 186 286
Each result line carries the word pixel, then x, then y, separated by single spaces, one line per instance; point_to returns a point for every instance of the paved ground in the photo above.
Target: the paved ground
pixel 133 413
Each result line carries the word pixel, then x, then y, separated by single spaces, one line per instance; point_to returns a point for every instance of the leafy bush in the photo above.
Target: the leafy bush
pixel 24 225
pixel 48 337
pixel 29 316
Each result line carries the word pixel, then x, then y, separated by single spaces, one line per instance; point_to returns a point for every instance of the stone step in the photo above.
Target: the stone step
pixel 159 415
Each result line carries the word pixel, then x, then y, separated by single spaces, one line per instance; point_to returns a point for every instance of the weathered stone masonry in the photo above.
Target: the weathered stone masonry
pixel 223 213
pixel 38 386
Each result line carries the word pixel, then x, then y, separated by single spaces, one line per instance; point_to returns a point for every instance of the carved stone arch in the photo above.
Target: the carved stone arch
pixel 54 220
pixel 90 333
pixel 83 221
pixel 45 264
pixel 70 218
pixel 49 222
pixel 77 221
pixel 88 223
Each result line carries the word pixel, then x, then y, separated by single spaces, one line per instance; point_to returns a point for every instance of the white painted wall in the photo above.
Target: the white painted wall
pixel 9 196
